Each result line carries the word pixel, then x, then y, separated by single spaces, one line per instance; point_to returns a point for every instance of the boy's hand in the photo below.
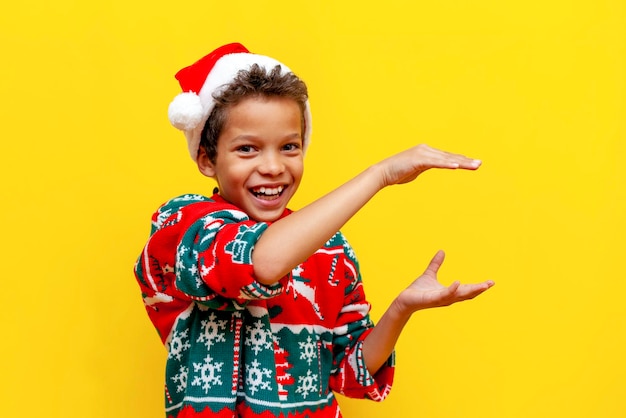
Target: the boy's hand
pixel 426 291
pixel 407 165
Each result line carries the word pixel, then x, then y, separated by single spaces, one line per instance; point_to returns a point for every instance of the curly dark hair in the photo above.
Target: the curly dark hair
pixel 254 82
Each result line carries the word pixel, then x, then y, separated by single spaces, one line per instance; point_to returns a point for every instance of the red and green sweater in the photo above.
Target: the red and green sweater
pixel 239 348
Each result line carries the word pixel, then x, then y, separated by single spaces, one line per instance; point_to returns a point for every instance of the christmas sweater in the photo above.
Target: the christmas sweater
pixel 236 347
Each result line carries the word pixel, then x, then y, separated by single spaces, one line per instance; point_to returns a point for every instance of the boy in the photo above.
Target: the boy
pixel 262 310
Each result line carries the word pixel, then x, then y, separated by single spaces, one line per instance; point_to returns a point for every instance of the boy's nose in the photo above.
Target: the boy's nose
pixel 271 164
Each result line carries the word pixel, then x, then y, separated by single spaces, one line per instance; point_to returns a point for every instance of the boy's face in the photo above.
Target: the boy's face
pixel 259 161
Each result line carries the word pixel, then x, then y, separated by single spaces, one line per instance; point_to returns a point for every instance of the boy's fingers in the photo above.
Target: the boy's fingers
pixel 443 161
pixel 474 290
pixel 435 262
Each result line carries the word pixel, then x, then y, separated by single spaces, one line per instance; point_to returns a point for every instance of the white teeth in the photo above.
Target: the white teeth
pixel 268 191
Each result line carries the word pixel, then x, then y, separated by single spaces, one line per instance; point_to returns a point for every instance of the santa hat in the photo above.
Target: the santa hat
pixel 209 76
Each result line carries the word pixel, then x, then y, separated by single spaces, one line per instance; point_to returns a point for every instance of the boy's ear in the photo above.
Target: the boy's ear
pixel 205 165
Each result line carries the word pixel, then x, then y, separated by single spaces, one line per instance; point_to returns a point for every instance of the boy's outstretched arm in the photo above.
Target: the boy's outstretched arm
pixel 291 240
pixel 425 292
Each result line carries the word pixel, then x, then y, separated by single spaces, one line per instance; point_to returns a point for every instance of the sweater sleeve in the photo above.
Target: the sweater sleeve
pixel 351 377
pixel 200 250
pixel 214 260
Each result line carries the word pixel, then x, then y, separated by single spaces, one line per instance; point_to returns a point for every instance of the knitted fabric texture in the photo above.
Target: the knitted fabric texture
pixel 238 348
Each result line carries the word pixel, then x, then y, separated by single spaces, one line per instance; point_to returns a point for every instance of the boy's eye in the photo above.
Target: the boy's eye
pixel 291 147
pixel 245 148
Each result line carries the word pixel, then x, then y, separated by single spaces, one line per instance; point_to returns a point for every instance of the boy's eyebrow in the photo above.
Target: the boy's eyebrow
pixel 295 135
pixel 250 137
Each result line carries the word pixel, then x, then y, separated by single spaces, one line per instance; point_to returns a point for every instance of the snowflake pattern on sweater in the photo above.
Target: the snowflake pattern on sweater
pixel 236 347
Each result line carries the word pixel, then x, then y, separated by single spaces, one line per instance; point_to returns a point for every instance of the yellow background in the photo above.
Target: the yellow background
pixel 536 89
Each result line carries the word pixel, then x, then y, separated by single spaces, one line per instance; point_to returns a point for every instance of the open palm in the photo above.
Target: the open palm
pixel 427 292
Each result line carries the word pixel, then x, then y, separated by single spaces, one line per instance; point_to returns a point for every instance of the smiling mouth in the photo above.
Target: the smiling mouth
pixel 268 193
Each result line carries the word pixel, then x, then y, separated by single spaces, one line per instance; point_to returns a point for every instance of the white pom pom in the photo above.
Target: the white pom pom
pixel 185 112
